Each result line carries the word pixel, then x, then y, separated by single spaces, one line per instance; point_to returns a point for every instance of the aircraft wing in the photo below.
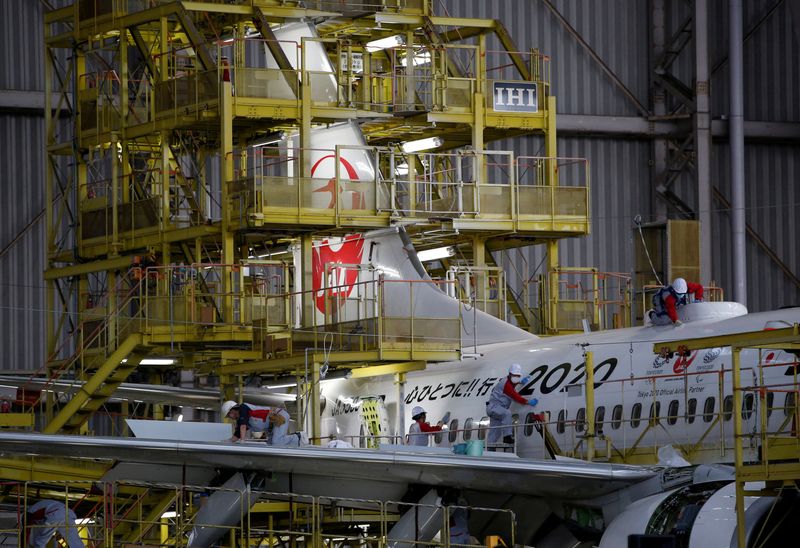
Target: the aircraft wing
pixel 314 466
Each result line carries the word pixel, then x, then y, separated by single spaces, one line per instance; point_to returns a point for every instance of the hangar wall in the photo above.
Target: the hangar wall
pixel 619 32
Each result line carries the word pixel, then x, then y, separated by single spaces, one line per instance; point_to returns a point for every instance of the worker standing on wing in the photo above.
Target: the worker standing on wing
pixel 498 406
pixel 667 300
pixel 48 517
pixel 271 422
pixel 418 433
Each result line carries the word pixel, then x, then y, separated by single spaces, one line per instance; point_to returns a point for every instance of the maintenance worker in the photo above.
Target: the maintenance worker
pixel 270 422
pixel 459 525
pixel 416 435
pixel 503 393
pixel 667 300
pixel 48 517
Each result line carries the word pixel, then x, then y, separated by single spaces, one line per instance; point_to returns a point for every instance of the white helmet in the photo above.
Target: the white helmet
pixel 417 411
pixel 227 406
pixel 515 369
pixel 679 285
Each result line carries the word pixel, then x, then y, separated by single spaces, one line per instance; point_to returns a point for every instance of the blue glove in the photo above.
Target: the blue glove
pixel 532 402
pixel 525 380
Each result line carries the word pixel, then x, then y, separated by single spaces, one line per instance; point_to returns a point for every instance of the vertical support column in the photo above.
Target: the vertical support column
pixel 305 274
pixel 551 322
pixel 736 132
pixel 478 114
pixel 226 175
pixel 480 277
pixel 114 194
pixel 316 422
pixel 590 426
pixel 658 97
pixel 702 136
pixel 111 312
pixel 400 382
pixel 305 124
pixel 164 191
pixel 550 142
pixel 737 443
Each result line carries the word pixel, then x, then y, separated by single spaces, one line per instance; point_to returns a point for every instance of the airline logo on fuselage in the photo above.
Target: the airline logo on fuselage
pixel 544 379
pixel 336 284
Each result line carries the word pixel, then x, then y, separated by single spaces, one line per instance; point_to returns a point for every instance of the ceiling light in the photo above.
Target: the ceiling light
pixel 436 253
pixel 422 144
pixel 385 43
pixel 421 58
pixel 170 514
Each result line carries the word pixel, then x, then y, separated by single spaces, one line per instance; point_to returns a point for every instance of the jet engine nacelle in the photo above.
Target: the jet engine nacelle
pixel 695 516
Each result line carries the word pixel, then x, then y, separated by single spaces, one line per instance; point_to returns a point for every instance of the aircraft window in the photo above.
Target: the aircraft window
pixel 560 425
pixel 437 438
pixel 727 407
pixel 655 411
pixel 788 404
pixel 515 419
pixel 691 410
pixel 636 414
pixel 599 418
pixel 672 412
pixel 708 409
pixel 468 429
pixel 616 417
pixel 747 406
pixel 770 403
pixel 580 420
pixel 530 418
pixel 453 435
pixel 482 428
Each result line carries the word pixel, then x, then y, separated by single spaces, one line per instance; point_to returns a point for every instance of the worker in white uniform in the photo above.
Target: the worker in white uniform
pixel 419 432
pixel 498 406
pixel 273 422
pixel 48 517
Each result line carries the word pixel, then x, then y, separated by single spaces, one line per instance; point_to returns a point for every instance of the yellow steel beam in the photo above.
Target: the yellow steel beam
pixel 151 519
pixel 416 20
pixel 90 387
pixel 51 469
pixel 16 420
pixel 788 337
pixel 341 358
pixel 116 263
pixel 388 369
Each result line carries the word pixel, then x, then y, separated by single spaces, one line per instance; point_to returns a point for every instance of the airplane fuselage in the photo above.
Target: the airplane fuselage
pixel 641 398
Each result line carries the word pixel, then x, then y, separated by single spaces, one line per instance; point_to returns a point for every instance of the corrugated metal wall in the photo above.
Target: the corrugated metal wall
pixel 22 301
pixel 619 32
pixel 617 29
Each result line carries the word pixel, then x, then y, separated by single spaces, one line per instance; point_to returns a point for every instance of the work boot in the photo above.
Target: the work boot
pixel 509 440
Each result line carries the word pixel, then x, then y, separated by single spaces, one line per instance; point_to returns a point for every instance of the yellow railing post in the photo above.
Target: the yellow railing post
pixel 590 426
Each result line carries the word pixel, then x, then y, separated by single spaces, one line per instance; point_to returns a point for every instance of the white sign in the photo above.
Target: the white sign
pixel 515 97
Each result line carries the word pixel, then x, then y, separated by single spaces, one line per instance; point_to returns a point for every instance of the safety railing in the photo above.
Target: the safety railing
pixel 481 287
pixel 126 512
pixel 603 299
pixel 552 188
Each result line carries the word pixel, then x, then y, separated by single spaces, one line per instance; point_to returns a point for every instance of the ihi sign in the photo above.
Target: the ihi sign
pixel 514 97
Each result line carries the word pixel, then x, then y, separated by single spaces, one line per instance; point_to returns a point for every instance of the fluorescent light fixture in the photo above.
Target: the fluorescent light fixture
pixel 153 361
pixel 169 514
pixel 279 385
pixel 84 521
pixel 421 58
pixel 157 361
pixel 436 253
pixel 269 139
pixel 384 43
pixel 422 144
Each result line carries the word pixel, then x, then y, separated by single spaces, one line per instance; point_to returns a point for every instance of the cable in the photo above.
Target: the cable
pixel 638 222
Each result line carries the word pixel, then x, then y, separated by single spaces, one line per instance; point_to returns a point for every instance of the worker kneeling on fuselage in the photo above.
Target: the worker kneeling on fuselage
pixel 269 423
